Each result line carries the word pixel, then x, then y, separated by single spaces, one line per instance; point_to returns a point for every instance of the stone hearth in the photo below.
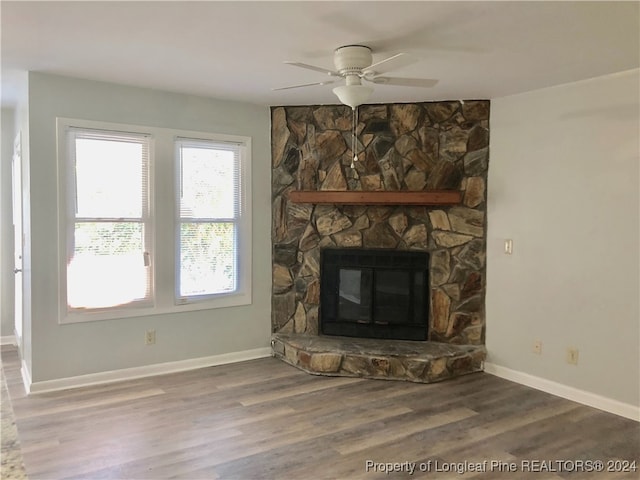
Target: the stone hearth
pixel 422 362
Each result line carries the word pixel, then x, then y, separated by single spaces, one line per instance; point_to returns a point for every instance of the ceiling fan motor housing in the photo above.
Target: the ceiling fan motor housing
pixel 352 59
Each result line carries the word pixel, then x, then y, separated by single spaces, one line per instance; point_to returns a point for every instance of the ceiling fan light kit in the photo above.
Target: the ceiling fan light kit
pixel 353 95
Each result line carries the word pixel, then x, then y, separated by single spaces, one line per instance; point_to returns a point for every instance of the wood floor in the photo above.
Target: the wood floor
pixel 266 419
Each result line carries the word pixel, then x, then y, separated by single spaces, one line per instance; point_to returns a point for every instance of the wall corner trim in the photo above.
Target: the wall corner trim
pixel 570 393
pixel 144 371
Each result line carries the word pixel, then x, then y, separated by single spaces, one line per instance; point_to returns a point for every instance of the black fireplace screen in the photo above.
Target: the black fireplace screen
pixel 374 293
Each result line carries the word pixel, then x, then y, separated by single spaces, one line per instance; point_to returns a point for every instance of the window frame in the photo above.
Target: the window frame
pixel 163 247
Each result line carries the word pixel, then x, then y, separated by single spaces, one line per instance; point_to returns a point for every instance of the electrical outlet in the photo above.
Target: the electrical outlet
pixel 537 347
pixel 150 337
pixel 572 356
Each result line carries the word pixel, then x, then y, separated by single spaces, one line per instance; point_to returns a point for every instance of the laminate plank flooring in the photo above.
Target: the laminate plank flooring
pixel 266 419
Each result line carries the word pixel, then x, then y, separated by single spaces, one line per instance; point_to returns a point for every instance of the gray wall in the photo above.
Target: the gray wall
pixel 73 349
pixel 563 184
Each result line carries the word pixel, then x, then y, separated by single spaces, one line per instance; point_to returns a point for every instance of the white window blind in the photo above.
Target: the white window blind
pixel 210 209
pixel 108 255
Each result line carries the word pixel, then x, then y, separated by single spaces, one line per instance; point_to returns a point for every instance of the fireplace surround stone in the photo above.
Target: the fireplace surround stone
pixel 410 147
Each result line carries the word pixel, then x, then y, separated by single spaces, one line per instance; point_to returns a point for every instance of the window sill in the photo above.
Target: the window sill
pixel 226 301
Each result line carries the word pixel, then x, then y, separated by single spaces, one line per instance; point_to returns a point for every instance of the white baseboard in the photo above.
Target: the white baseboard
pixel 26 377
pixel 581 396
pixel 140 372
pixel 8 340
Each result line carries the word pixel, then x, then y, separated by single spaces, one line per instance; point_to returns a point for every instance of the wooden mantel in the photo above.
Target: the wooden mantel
pixel 397 197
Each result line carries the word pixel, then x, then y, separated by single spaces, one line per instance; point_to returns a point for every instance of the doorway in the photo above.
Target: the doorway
pixel 18 236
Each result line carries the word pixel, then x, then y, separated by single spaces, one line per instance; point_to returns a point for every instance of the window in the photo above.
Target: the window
pixel 156 220
pixel 108 220
pixel 209 206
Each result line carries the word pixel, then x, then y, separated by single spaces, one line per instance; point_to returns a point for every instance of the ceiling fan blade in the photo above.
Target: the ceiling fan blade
pixel 404 82
pixel 392 63
pixel 314 68
pixel 304 85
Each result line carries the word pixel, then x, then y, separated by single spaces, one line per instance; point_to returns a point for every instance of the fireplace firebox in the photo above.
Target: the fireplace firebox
pixel 374 293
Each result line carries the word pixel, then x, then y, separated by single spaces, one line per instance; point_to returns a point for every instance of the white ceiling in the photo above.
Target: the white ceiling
pixel 234 50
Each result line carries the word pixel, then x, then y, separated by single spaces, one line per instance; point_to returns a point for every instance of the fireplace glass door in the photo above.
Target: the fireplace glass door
pixel 374 293
pixel 354 292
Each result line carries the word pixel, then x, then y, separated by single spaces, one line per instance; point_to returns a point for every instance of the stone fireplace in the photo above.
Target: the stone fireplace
pixel 401 147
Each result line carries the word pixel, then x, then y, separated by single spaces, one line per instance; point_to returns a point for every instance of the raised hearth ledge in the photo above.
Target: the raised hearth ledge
pixel 358 197
pixel 422 362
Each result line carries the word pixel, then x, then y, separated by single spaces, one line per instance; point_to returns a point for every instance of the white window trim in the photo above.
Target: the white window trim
pixel 163 251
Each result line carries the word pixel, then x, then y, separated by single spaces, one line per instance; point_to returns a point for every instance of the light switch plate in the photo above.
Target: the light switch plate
pixel 508 246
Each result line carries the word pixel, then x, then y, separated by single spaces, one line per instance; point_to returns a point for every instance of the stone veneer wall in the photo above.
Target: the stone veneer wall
pixel 414 146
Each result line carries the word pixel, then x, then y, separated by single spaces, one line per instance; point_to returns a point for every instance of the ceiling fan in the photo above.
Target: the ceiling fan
pixel 354 64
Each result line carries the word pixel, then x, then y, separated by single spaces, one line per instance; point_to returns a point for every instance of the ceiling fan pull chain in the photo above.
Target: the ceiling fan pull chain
pixel 354 147
pixel 353 138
